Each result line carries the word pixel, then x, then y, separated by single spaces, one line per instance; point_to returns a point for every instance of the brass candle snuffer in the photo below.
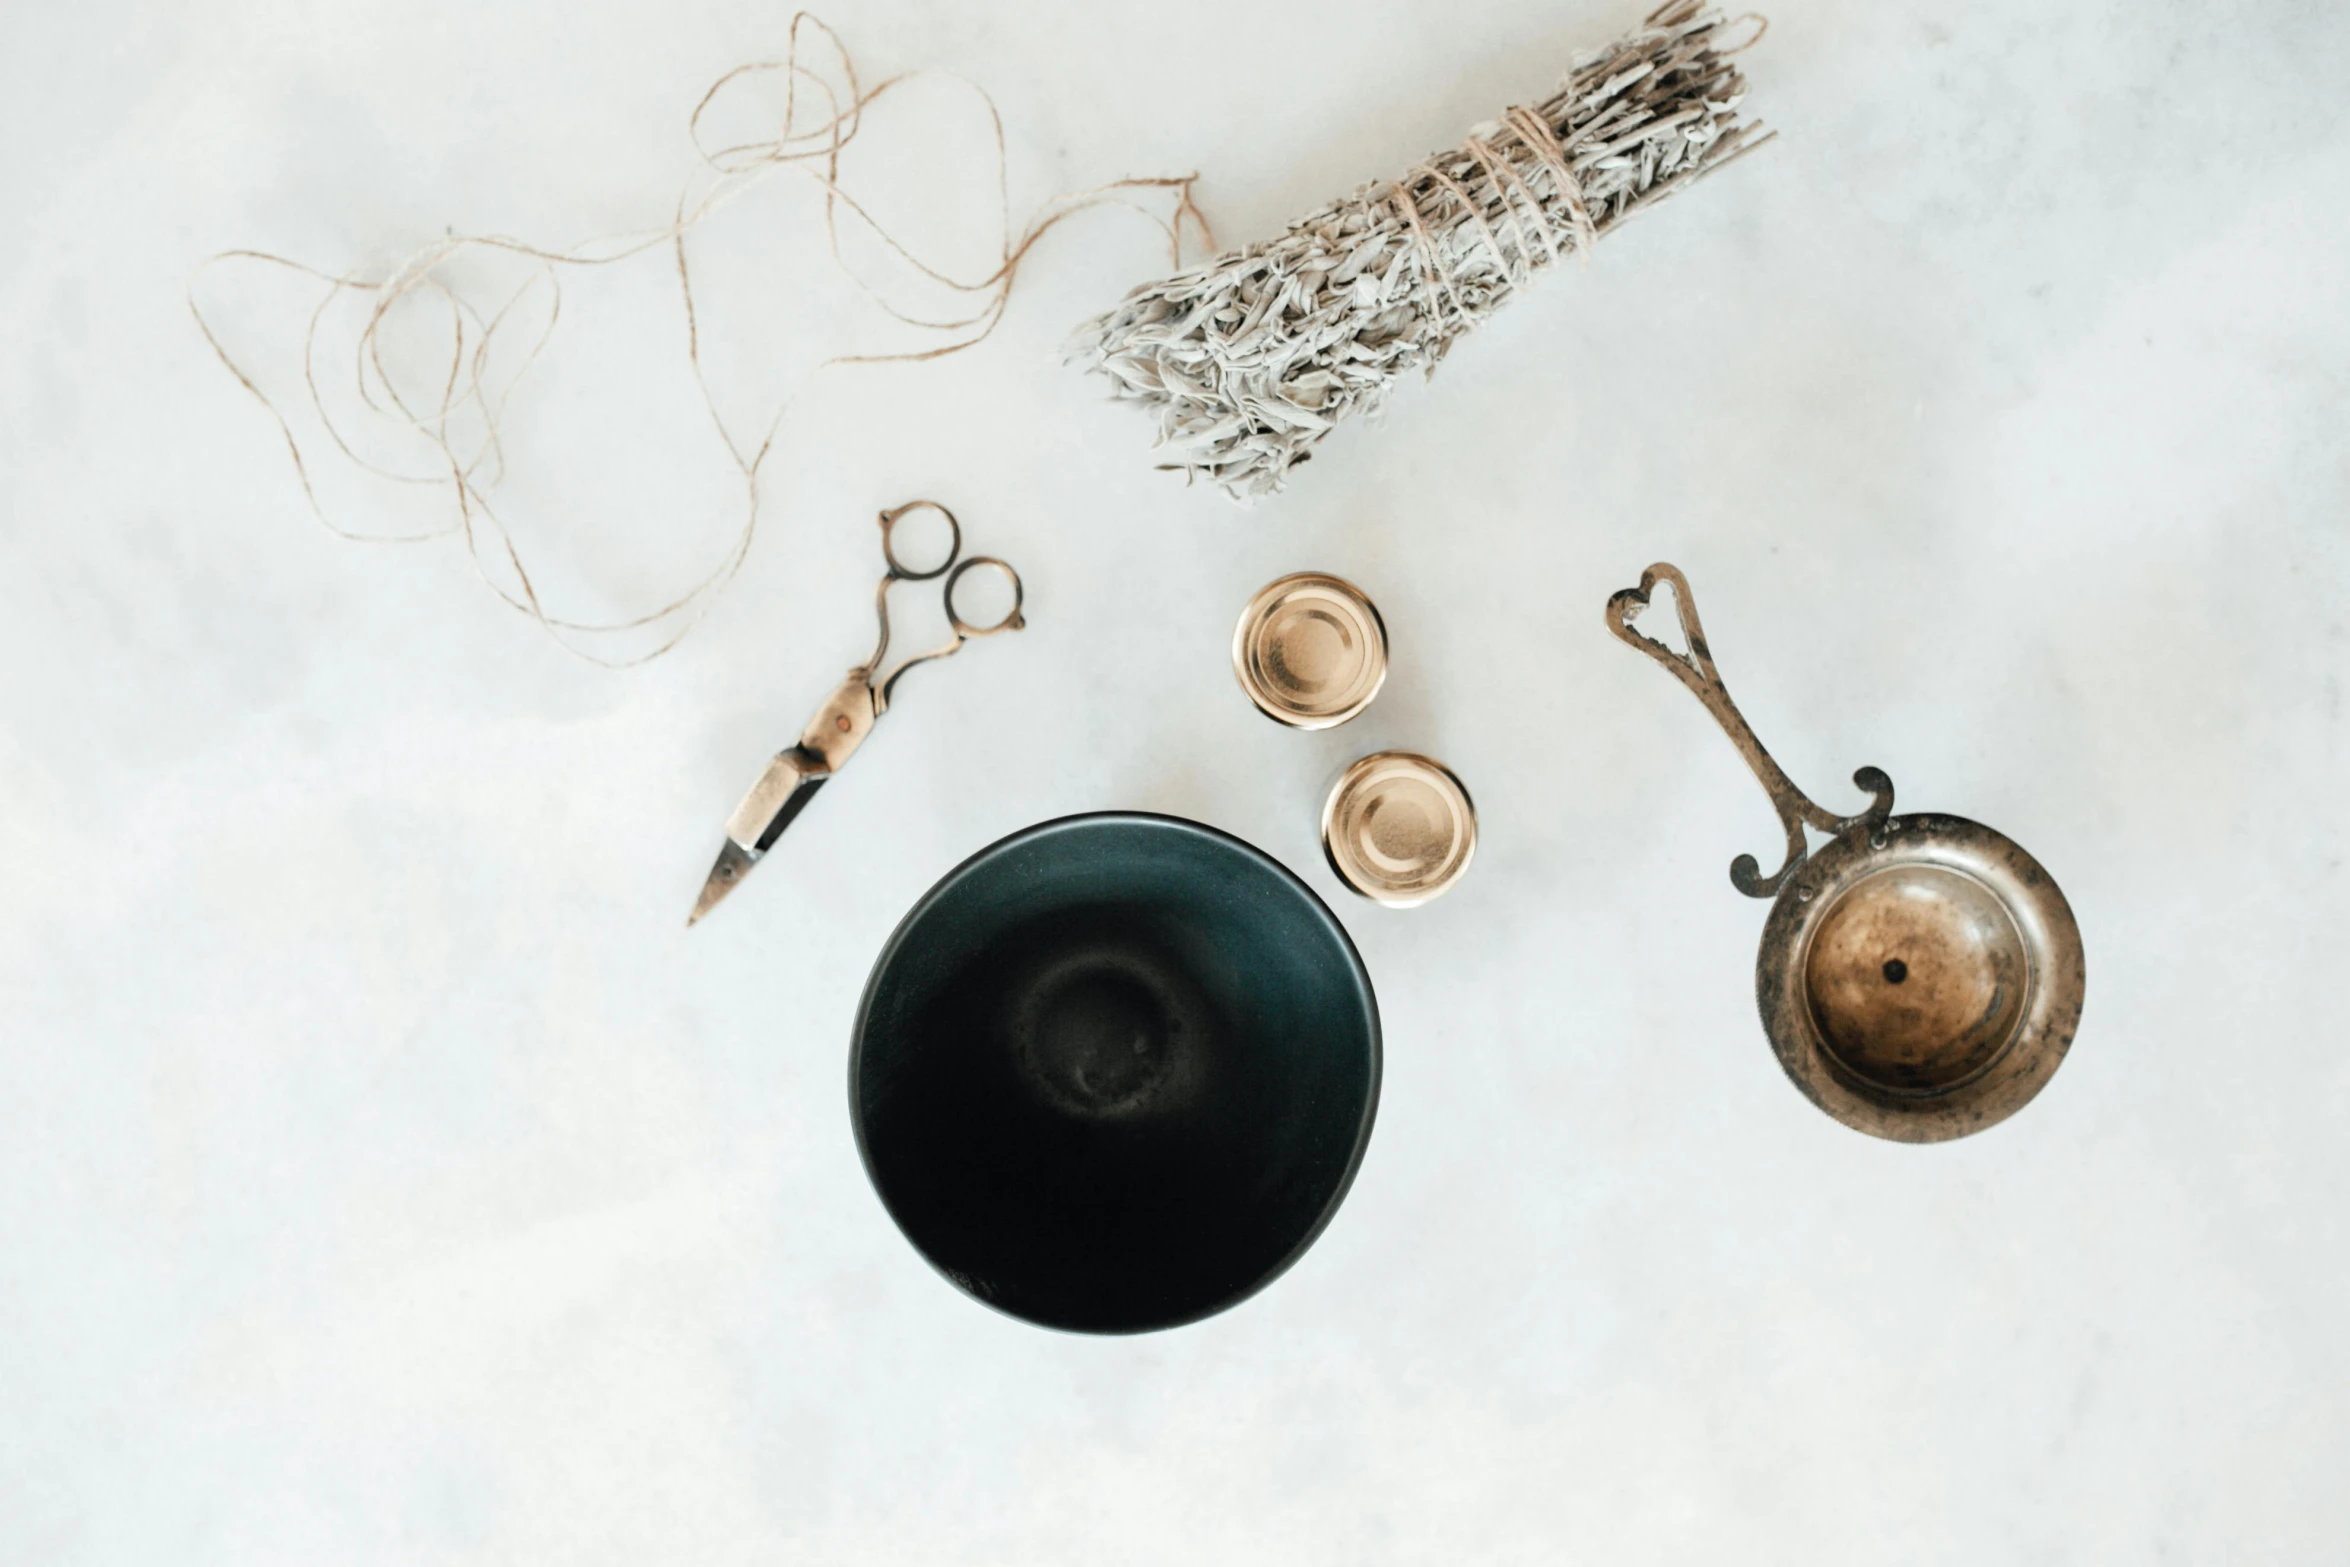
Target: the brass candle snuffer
pixel 1920 976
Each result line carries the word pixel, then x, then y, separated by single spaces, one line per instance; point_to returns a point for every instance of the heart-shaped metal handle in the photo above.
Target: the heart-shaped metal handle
pixel 1696 671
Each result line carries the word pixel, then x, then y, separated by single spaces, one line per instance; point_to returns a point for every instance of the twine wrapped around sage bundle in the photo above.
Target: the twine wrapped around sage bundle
pixel 1249 360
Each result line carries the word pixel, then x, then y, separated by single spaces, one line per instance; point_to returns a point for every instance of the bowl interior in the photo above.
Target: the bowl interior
pixel 1115 1072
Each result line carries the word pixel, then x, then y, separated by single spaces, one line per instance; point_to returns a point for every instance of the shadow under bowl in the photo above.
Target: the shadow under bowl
pixel 1115 1072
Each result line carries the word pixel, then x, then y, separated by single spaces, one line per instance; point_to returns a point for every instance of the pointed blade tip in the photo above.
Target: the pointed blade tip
pixel 725 876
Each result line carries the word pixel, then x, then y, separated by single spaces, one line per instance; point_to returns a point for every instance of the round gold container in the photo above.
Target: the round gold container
pixel 1399 828
pixel 1310 650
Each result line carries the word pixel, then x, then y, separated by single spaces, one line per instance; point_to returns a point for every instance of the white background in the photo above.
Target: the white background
pixel 386 1176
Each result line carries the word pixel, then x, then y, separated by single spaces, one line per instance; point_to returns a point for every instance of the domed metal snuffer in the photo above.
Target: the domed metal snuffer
pixel 1920 976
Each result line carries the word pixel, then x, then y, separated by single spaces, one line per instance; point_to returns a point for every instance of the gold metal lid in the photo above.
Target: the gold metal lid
pixel 1310 650
pixel 1399 828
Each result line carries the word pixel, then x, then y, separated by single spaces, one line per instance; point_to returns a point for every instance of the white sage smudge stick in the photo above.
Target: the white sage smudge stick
pixel 1249 360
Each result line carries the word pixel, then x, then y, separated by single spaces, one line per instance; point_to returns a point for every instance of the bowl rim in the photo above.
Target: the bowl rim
pixel 1085 821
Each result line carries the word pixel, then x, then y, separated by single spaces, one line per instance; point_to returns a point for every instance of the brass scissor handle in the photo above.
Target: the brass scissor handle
pixel 898 569
pixel 1011 620
pixel 953 569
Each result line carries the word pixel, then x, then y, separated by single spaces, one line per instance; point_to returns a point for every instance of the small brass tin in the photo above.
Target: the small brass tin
pixel 1399 828
pixel 1310 650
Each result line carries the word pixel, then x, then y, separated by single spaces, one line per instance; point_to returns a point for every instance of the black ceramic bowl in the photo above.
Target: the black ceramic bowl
pixel 1115 1072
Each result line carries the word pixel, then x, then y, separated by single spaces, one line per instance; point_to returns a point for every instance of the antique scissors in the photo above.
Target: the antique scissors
pixel 847 716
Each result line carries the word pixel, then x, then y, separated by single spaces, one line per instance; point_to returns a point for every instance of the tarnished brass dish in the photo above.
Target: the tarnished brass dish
pixel 1920 976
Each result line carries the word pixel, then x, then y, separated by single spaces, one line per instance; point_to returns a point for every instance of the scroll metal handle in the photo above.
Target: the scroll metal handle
pixel 1696 671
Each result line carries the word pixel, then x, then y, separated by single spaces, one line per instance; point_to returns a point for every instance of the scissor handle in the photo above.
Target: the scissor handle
pixel 883 685
pixel 1012 619
pixel 898 569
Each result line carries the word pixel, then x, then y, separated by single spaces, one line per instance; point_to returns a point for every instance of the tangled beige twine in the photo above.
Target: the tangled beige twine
pixel 461 422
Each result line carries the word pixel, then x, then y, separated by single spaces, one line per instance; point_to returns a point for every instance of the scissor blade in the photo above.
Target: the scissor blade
pixel 734 862
pixel 764 822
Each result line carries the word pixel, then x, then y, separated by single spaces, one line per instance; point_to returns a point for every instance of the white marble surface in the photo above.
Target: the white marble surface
pixel 385 1176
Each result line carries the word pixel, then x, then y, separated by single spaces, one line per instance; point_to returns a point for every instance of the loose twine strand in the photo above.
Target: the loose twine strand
pixel 468 391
